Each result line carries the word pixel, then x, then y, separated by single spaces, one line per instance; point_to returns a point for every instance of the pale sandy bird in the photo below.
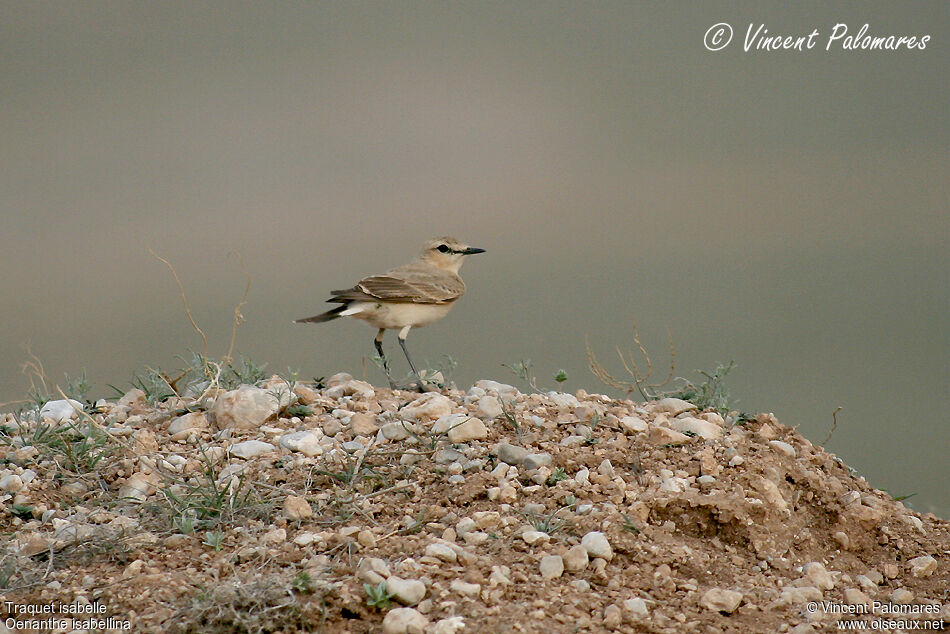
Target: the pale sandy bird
pixel 410 296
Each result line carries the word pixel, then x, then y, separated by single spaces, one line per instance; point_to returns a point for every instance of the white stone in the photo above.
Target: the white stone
pixel 536 461
pixel 674 406
pixel 60 411
pixel 637 607
pixel 280 389
pixel 396 430
pixel 406 591
pixel 138 487
pixel 245 408
pixel 183 426
pixel 510 454
pixel 359 390
pixel 461 428
pixel 488 407
pixel 11 483
pixel 666 436
pixel 429 406
pixel 501 390
pixel 441 552
pixel 250 449
pixel 597 545
pixel 922 566
pixel 816 572
pixel 297 508
pixel 551 567
pixel 451 625
pixel 533 537
pixel 305 442
pixel 633 424
pixel 404 621
pixel 576 558
pixel 783 448
pixel 698 427
pixel 721 600
pixel 464 588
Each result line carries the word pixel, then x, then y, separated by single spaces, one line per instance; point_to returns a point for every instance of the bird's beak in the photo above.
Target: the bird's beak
pixel 472 250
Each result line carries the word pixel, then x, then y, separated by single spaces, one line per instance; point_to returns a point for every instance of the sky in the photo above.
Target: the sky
pixel 787 210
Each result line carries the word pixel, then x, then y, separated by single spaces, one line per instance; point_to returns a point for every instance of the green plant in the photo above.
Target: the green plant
pixel 629 526
pixel 560 376
pixel 75 447
pixel 508 412
pixel 710 394
pixel 204 501
pixel 299 410
pixel 556 476
pixel 23 511
pixel 378 596
pixel 302 582
pixel 545 523
pixel 214 539
pixel 77 388
pixel 523 369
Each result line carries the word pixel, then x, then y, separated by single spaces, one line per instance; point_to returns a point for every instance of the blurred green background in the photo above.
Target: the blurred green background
pixel 786 210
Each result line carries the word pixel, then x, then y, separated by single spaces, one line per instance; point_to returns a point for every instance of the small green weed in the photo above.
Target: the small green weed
pixel 377 596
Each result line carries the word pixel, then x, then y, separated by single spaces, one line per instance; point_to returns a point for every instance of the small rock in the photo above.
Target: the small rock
pixel 441 552
pixel 245 408
pixel 280 389
pixel 468 428
pixel 597 545
pixel 674 406
pixel 11 483
pixel 373 570
pixel 429 406
pixel 552 567
pixel 332 427
pixel 606 469
pixel 363 424
pixel 488 407
pixel 843 540
pixel 637 607
pixel 60 411
pixel 783 448
pixel 533 537
pixel 352 446
pixel 720 600
pixel 511 454
pixel 797 596
pixel 250 449
pixel 305 442
pixel 698 427
pixel 33 545
pixel 902 595
pixel 576 558
pixel 451 625
pixel 138 487
pixel 501 390
pixel 306 394
pixel 366 539
pixel 666 436
pixel 404 621
pixel 633 424
pixel 275 536
pixel 134 400
pixel 891 571
pixel 853 596
pixel 536 461
pixel 816 572
pixel 297 508
pixel 613 617
pixel 184 426
pixel 487 519
pixel 406 591
pixel 769 493
pixel 359 390
pixel 395 430
pixel 465 589
pixel 922 566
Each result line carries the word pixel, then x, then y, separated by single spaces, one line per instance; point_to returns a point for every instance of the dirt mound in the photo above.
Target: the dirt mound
pixel 349 508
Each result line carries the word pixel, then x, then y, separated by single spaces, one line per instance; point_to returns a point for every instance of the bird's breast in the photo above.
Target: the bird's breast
pixel 393 315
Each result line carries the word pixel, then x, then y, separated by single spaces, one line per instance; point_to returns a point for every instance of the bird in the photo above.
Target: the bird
pixel 409 296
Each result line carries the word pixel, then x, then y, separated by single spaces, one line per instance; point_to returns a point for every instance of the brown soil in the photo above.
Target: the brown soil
pixel 749 528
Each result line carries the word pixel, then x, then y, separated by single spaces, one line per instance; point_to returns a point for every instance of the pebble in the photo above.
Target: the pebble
pixel 183 426
pixel 902 595
pixel 674 406
pixel 488 407
pixel 404 621
pixel 360 390
pixel 11 483
pixel 721 600
pixel 853 596
pixel 305 442
pixel 395 430
pixel 536 461
pixel 576 558
pixel 666 436
pixel 250 449
pixel 633 424
pixel 597 545
pixel 501 390
pixel 297 508
pixel 363 424
pixel 606 469
pixel 406 591
pixel 533 537
pixel 816 572
pixel 551 567
pixel 138 487
pixel 366 539
pixel 373 570
pixel 511 454
pixel 783 448
pixel 429 406
pixel 60 411
pixel 922 566
pixel 581 585
pixel 441 552
pixel 637 607
pixel 470 429
pixel 464 588
pixel 451 625
pixel 352 446
pixel 697 426
pixel 245 408
pixel 613 617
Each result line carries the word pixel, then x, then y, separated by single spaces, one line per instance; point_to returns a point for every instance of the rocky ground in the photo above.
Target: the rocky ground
pixel 349 508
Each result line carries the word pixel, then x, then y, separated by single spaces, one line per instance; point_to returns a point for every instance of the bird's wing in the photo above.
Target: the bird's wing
pixel 410 284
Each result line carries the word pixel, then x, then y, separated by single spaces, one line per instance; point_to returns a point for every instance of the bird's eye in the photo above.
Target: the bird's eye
pixel 442 248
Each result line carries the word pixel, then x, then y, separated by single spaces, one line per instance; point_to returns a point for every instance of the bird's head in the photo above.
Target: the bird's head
pixel 446 253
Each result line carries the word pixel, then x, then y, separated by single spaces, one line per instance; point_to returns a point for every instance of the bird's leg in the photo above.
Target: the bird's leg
pixel 402 342
pixel 378 341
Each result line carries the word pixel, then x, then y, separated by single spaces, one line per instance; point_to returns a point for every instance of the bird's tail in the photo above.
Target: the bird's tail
pixel 327 316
